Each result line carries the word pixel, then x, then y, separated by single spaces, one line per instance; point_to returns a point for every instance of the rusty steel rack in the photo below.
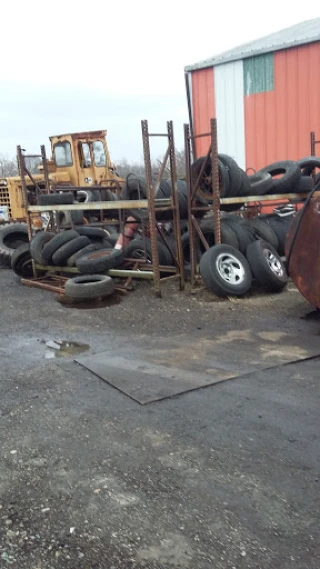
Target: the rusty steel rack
pixel 141 269
pixel 313 143
pixel 216 200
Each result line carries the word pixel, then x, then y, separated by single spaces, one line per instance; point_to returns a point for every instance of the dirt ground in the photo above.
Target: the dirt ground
pixel 221 477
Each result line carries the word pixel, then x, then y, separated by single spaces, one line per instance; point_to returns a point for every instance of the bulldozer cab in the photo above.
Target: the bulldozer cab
pixel 84 157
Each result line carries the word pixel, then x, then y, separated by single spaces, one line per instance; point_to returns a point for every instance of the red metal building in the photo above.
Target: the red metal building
pixel 265 95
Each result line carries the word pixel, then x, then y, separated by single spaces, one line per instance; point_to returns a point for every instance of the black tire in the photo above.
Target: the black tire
pixel 61 256
pixel 56 242
pixel 260 184
pixel 140 248
pixel 135 189
pixel 88 249
pixel 11 237
pixel 225 271
pixel 90 286
pixel 308 164
pixel 234 172
pixel 290 178
pixel 228 236
pixel 263 231
pixel 305 184
pixel 266 265
pixel 77 216
pixel 204 192
pixel 245 235
pixel 21 261
pixel 113 238
pixel 94 233
pixel 280 226
pixel 98 262
pixel 55 198
pixel 245 184
pixel 37 243
pixel 87 196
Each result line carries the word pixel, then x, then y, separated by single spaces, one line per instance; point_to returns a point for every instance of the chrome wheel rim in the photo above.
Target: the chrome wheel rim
pixel 230 268
pixel 274 263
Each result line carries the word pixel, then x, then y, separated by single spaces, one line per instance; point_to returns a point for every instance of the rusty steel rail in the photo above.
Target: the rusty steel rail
pixel 152 188
pixel 121 204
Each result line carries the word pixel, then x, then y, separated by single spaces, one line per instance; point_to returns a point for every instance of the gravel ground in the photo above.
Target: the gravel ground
pixel 223 477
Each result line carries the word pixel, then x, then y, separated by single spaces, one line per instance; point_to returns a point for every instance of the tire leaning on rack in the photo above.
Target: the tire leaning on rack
pixel 99 262
pixel 267 266
pixel 37 243
pixel 225 271
pixel 61 256
pixel 21 262
pixel 56 242
pixel 89 287
pixel 11 237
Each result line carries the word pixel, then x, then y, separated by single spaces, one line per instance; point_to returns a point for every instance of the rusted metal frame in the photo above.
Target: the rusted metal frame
pixel 193 257
pixel 166 244
pixel 161 171
pixel 200 234
pixel 121 204
pixel 215 181
pixel 45 167
pixel 21 168
pixel 178 257
pixel 151 208
pixel 202 169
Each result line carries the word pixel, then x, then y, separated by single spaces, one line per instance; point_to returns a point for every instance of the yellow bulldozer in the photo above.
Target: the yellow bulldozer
pixel 78 159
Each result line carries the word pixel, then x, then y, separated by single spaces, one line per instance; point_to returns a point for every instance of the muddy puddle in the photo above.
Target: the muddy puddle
pixel 60 349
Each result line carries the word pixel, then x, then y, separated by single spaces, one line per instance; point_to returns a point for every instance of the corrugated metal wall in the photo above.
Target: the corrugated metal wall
pixel 203 106
pixel 279 120
pixel 230 110
pixel 266 105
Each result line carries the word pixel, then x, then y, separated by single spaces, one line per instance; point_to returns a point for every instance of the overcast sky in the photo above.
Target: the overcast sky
pixel 70 65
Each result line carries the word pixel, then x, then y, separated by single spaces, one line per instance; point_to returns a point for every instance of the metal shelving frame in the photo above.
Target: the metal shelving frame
pixel 154 205
pixel 216 200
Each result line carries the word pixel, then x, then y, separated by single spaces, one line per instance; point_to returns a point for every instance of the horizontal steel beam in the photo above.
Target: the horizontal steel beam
pixel 121 204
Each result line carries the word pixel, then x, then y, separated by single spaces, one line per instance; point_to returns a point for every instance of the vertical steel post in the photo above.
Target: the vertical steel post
pixel 21 168
pixel 215 181
pixel 151 207
pixel 187 150
pixel 313 143
pixel 175 202
pixel 45 168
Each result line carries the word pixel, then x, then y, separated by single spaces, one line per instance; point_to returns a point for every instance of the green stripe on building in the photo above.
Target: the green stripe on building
pixel 258 74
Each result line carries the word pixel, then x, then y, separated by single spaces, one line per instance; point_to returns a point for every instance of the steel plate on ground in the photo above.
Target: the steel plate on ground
pixel 174 367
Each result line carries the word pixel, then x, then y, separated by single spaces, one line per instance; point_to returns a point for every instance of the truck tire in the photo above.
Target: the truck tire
pixel 228 235
pixel 94 233
pixel 88 249
pixel 89 287
pixel 235 177
pixel 21 261
pixel 225 271
pixel 61 256
pixel 308 164
pixel 11 237
pixel 140 248
pixel 291 175
pixel 245 235
pixel 56 242
pixel 263 231
pixel 98 262
pixel 260 184
pixel 55 198
pixel 266 265
pixel 37 243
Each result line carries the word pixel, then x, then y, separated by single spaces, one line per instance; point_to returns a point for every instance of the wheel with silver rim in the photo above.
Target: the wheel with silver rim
pixel 225 271
pixel 267 266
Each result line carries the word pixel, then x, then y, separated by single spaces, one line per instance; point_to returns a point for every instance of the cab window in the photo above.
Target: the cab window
pixel 85 155
pixel 99 153
pixel 62 154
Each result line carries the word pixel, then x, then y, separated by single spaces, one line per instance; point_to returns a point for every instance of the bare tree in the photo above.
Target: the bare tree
pixel 124 167
pixel 8 166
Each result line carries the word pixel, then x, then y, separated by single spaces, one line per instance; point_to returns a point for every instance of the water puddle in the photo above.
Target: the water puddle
pixel 59 349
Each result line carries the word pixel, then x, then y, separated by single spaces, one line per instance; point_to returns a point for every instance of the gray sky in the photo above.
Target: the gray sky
pixel 72 65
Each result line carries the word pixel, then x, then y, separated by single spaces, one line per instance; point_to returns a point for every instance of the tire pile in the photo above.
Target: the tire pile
pixel 281 177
